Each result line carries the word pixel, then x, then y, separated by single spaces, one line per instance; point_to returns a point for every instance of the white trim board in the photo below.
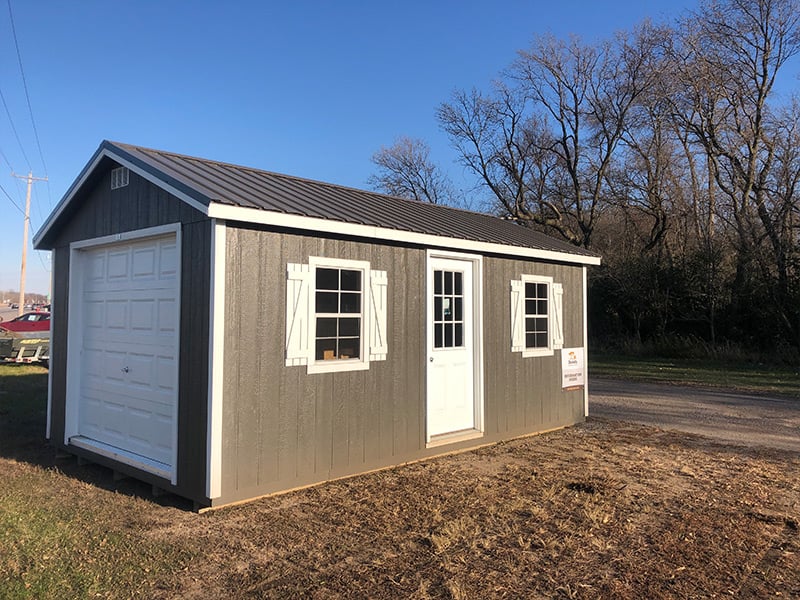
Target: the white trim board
pixel 87 172
pixel 216 360
pixel 266 217
pixel 75 344
pixel 226 212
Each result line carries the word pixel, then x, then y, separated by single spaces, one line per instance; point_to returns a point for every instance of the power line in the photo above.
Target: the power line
pixel 17 206
pixel 25 86
pixel 14 129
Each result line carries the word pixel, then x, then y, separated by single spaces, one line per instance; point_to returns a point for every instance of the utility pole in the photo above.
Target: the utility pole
pixel 30 179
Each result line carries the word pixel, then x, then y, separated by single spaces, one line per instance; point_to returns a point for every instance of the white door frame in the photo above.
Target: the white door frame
pixel 477 342
pixel 75 343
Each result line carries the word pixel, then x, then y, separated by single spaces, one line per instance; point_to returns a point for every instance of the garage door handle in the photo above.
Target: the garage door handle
pixel 125 369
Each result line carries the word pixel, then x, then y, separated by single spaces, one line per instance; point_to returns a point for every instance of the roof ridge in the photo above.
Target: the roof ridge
pixel 298 178
pixel 397 213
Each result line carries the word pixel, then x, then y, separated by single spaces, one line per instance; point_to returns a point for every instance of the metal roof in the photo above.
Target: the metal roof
pixel 208 182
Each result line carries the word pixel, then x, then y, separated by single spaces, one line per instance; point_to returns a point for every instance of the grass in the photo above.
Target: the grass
pixel 61 537
pixel 600 510
pixel 746 377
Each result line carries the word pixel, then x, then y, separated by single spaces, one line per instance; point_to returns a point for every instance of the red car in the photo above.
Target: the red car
pixel 33 321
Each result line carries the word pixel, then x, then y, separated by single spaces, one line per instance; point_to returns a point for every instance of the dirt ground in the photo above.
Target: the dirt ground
pixel 600 510
pixel 604 509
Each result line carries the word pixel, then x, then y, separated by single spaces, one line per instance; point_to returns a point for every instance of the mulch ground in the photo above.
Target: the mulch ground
pixel 599 510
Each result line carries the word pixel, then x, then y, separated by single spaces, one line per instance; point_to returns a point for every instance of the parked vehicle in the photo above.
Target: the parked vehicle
pixel 32 321
pixel 26 338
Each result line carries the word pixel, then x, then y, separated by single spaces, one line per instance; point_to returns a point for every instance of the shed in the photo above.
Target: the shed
pixel 224 333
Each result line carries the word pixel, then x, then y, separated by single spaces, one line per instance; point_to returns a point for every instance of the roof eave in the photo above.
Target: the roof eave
pixel 137 165
pixel 277 219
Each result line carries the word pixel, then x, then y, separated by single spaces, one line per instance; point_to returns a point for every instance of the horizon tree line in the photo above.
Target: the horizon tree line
pixel 666 149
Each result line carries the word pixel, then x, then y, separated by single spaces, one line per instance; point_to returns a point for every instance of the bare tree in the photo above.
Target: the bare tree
pixel 504 145
pixel 728 57
pixel 405 170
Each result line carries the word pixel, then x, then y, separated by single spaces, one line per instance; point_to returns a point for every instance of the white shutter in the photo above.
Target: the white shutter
pixel 378 344
pixel 557 316
pixel 517 315
pixel 298 317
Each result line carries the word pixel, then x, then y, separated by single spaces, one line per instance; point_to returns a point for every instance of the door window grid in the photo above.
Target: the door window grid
pixel 338 314
pixel 448 309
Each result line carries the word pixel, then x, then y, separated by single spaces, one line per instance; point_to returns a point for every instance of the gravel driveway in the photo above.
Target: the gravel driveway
pixel 729 416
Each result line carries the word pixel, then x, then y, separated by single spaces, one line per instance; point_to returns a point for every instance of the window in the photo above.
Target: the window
pixel 338 314
pixel 448 309
pixel 335 315
pixel 536 316
pixel 119 177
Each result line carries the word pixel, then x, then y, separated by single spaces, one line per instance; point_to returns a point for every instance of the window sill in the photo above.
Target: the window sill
pixel 537 352
pixel 336 366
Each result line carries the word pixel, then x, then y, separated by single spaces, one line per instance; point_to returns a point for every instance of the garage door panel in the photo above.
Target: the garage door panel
pixel 143 315
pixel 168 265
pixel 145 263
pixel 165 373
pixel 116 314
pixel 129 347
pixel 124 374
pixel 117 266
pixel 141 371
pixel 167 324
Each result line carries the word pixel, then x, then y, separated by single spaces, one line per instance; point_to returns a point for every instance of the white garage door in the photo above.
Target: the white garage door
pixel 127 403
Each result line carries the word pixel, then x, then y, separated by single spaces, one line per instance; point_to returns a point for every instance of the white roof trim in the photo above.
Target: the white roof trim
pixel 87 172
pixel 265 217
pixel 216 210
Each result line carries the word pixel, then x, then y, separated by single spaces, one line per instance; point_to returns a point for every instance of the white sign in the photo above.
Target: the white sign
pixel 573 368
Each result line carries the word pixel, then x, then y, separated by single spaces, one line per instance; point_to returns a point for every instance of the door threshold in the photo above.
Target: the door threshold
pixel 453 437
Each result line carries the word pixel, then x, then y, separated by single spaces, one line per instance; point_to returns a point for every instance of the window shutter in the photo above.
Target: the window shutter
pixel 517 315
pixel 558 322
pixel 378 344
pixel 298 317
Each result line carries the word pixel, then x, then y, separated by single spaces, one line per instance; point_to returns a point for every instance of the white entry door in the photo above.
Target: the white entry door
pixel 129 311
pixel 451 347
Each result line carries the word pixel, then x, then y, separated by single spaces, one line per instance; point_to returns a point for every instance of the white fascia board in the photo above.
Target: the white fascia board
pixel 87 172
pixel 265 217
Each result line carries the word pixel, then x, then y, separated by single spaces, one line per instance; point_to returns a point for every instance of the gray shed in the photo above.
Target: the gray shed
pixel 224 332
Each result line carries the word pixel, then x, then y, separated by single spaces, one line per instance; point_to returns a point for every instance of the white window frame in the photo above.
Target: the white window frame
pixel 555 333
pixel 119 177
pixel 301 315
pixel 347 364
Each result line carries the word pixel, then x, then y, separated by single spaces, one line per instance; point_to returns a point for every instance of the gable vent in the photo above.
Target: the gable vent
pixel 119 177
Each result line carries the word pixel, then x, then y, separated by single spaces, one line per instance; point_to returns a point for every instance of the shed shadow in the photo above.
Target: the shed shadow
pixel 23 423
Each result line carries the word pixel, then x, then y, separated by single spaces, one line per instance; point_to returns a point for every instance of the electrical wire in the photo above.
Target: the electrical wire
pixel 17 206
pixel 25 86
pixel 14 129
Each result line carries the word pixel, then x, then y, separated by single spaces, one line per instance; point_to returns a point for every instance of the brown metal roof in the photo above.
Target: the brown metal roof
pixel 208 181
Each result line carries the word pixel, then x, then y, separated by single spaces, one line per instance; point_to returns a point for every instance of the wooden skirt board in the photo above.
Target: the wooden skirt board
pixel 129 314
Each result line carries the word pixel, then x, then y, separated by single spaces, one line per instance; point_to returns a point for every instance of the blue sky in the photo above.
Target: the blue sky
pixel 308 88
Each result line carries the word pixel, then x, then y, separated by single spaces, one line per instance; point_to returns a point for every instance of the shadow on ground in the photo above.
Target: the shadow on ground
pixel 23 426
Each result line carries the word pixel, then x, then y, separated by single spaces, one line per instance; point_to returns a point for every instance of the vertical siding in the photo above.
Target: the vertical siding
pixel 285 428
pixel 524 394
pixel 100 211
pixel 288 428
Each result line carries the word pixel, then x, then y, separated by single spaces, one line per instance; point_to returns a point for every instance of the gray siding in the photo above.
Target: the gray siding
pixel 524 394
pixel 284 428
pixel 100 212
